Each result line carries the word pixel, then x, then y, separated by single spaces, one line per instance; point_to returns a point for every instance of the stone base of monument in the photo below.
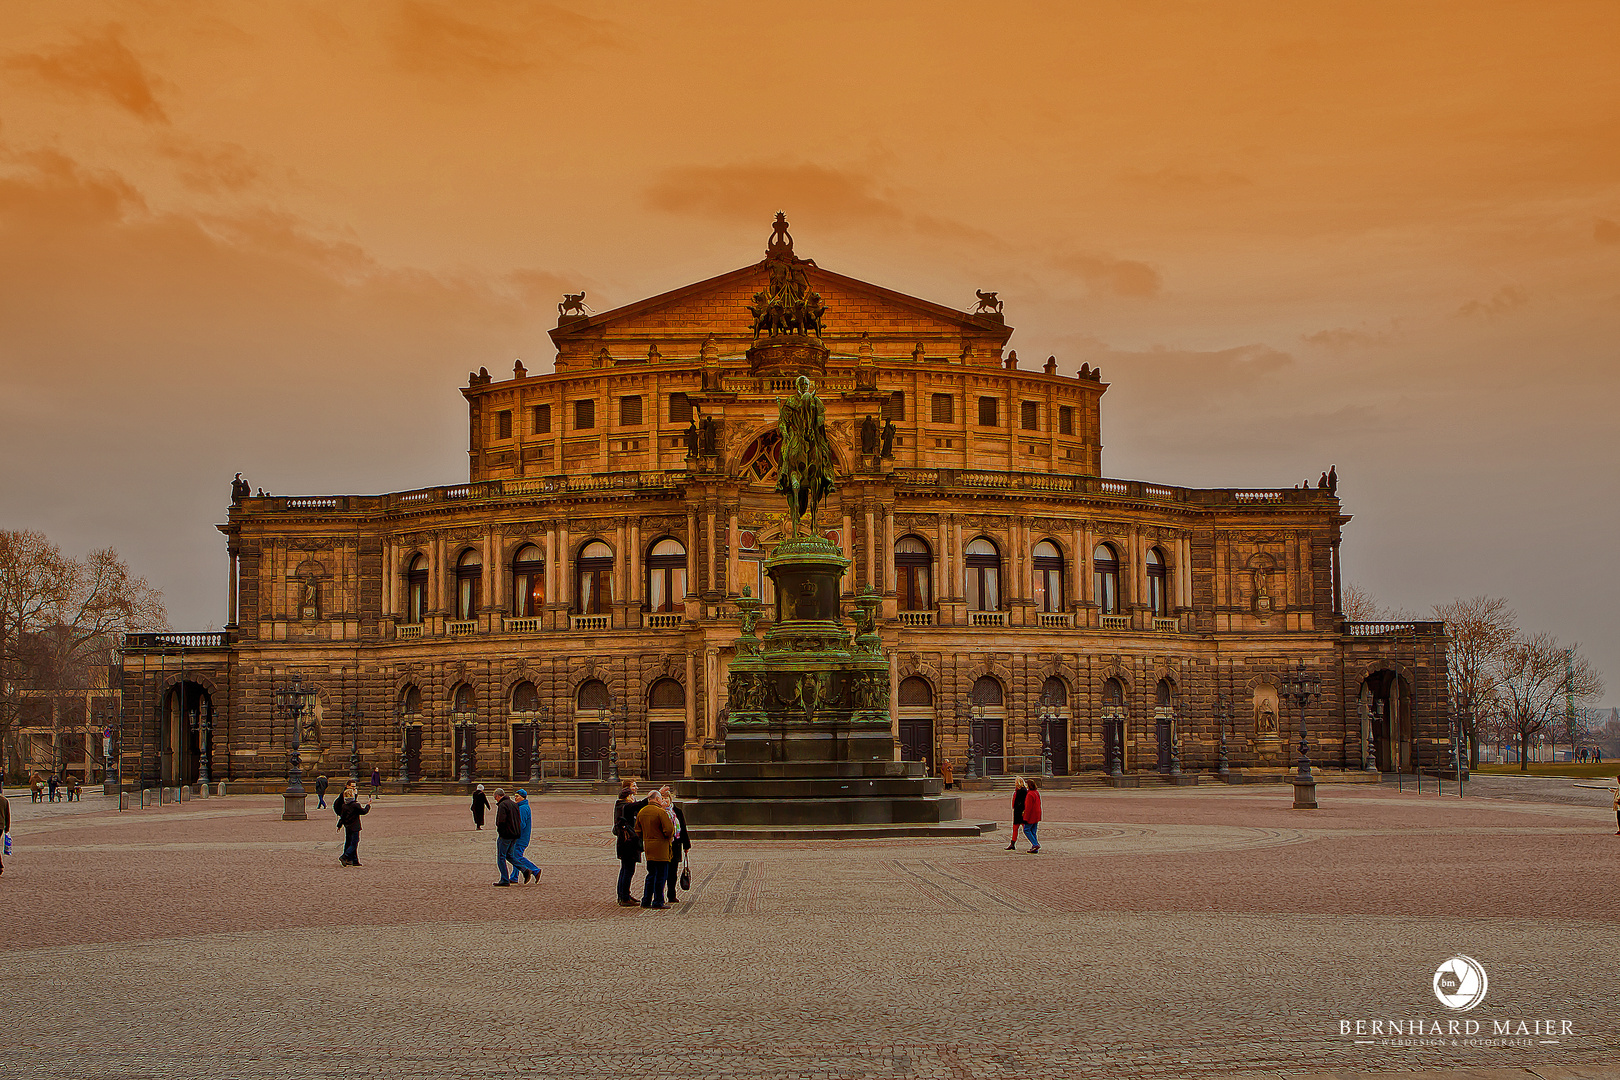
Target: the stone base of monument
pixel 820 800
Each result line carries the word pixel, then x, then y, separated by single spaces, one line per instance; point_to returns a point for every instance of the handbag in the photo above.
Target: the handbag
pixel 686 877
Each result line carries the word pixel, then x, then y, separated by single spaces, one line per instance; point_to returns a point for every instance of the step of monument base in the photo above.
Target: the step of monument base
pixel 888 831
pixel 805 770
pixel 904 810
pixel 821 787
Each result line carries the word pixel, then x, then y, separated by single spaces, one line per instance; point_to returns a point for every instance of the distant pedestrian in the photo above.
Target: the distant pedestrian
pixel 36 788
pixel 1617 806
pixel 508 827
pixel 531 872
pixel 1032 817
pixel 376 782
pixel 480 803
pixel 1020 798
pixel 679 845
pixel 947 771
pixel 320 791
pixel 5 829
pixel 627 843
pixel 54 784
pixel 349 814
pixel 657 829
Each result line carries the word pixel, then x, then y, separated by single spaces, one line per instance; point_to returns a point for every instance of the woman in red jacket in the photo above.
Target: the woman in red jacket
pixel 1032 816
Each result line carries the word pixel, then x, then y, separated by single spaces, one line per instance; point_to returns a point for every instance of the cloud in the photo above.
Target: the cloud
pixel 1605 231
pixel 751 193
pixel 212 169
pixel 1501 302
pixel 98 66
pixel 1106 274
pixel 1343 338
pixel 487 37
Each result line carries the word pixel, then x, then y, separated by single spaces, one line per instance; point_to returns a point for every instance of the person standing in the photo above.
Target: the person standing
pixel 480 803
pixel 525 824
pixel 681 843
pixel 1020 798
pixel 657 830
pixel 508 827
pixel 320 792
pixel 5 828
pixel 1032 817
pixel 54 783
pixel 349 813
pixel 628 844
pixel 376 782
pixel 947 771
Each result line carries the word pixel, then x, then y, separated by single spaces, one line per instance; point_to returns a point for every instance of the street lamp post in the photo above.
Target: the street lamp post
pixel 352 716
pixel 464 768
pixel 1302 687
pixel 206 757
pixel 295 700
pixel 1223 716
pixel 534 749
pixel 1175 745
pixel 976 743
pixel 404 749
pixel 1114 735
pixel 1048 714
pixel 1369 752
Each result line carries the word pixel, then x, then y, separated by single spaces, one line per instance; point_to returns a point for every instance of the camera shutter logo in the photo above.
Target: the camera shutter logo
pixel 1460 983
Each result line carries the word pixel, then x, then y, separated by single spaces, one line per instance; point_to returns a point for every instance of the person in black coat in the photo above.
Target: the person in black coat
pixel 480 803
pixel 349 811
pixel 678 847
pixel 1020 793
pixel 629 844
pixel 320 792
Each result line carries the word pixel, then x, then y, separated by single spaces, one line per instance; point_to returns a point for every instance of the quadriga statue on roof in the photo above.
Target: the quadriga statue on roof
pixel 806 476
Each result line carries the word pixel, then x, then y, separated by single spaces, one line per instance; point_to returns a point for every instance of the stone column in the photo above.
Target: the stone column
pixel 437 577
pixel 550 556
pixel 733 540
pixel 620 573
pixel 710 545
pixel 694 731
pixel 888 548
pixel 634 555
pixel 1088 544
pixel 871 546
pixel 566 579
pixel 491 575
pixel 230 605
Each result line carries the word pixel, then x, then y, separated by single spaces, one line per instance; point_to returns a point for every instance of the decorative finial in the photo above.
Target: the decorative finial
pixel 780 245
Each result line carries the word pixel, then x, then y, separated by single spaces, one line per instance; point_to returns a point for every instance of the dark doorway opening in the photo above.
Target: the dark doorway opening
pixel 666 751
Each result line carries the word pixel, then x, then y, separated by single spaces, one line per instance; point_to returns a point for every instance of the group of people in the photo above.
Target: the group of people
pixel 1590 755
pixel 1026 814
pixel 55 788
pixel 513 823
pixel 321 784
pixel 655 827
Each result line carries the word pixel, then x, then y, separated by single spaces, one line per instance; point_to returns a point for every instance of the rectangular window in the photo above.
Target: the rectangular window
pixel 1030 416
pixel 542 419
pixel 680 409
pixel 895 407
pixel 1065 420
pixel 943 412
pixel 988 412
pixel 584 415
pixel 503 424
pixel 630 411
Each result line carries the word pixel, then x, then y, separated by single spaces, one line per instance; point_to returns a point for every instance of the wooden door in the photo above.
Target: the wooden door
pixel 666 751
pixel 917 741
pixel 988 734
pixel 1057 738
pixel 413 752
pixel 1161 727
pixel 593 750
pixel 522 750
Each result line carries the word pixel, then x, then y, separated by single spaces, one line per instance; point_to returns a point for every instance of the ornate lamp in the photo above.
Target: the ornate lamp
pixel 404 752
pixel 206 744
pixel 352 717
pixel 295 700
pixel 1048 714
pixel 534 748
pixel 1302 686
pixel 464 767
pixel 1223 716
pixel 1175 744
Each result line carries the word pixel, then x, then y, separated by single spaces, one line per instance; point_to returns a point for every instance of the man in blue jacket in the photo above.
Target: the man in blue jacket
pixel 530 871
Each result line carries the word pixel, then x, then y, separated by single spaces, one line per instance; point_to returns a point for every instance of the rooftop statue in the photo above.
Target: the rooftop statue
pixel 787 305
pixel 806 476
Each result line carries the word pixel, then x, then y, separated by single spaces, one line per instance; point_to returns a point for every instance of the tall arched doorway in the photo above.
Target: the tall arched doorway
pixel 591 727
pixel 1055 734
pixel 1113 719
pixel 666 730
pixel 916 720
pixel 1386 706
pixel 188 717
pixel 990 724
pixel 1164 722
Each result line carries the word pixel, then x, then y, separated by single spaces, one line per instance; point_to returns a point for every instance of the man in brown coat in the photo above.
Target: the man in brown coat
pixel 5 828
pixel 657 830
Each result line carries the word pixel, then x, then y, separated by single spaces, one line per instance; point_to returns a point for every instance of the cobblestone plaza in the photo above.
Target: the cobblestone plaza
pixel 1168 932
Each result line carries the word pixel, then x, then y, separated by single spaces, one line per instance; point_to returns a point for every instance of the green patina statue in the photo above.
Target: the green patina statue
pixel 806 476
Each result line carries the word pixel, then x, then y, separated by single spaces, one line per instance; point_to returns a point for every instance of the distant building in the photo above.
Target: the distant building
pixel 579 589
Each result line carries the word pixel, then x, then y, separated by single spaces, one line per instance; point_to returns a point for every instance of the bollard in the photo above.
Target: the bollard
pixel 123 800
pixel 222 787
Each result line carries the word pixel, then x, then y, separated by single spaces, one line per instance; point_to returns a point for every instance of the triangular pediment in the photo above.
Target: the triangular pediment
pixel 677 323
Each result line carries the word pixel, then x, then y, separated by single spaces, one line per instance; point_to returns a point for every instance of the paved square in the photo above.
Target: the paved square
pixel 1190 932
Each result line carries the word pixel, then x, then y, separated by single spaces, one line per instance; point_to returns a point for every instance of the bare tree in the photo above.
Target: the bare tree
pixel 1534 676
pixel 1478 630
pixel 57 615
pixel 1359 604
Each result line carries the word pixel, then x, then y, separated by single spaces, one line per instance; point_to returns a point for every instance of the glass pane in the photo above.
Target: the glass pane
pixel 1046 550
pixel 604 591
pixel 657 597
pixel 668 547
pixel 910 545
pixel 973 598
pixel 596 550
pixel 587 598
pixel 925 597
pixel 677 586
pixel 981 546
pixel 1154 558
pixel 1041 601
pixel 992 589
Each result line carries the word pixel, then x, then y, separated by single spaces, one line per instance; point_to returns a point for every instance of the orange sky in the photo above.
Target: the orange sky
pixel 274 238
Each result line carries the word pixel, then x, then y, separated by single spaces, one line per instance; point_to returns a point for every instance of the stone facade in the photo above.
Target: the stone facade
pixel 616 509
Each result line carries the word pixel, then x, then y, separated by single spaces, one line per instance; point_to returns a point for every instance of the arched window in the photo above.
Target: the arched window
pixel 986 690
pixel 1157 573
pixel 528 582
pixel 1163 694
pixel 593 695
pixel 1105 578
pixel 469 576
pixel 914 569
pixel 1113 693
pixel 1048 577
pixel 463 699
pixel 525 698
pixel 1054 691
pixel 416 590
pixel 666 694
pixel 410 703
pixel 914 690
pixel 595 579
pixel 666 575
pixel 983 571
